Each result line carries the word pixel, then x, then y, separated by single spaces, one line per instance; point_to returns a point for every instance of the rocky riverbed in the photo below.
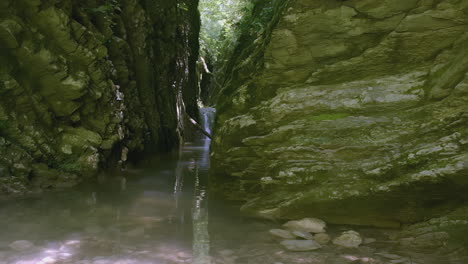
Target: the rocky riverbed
pixel 143 223
pixel 300 242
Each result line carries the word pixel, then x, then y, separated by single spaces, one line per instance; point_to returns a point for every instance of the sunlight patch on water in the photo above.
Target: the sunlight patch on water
pixel 71 252
pixel 148 215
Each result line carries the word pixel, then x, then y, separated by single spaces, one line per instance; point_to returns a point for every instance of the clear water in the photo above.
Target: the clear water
pixel 146 218
pixel 158 214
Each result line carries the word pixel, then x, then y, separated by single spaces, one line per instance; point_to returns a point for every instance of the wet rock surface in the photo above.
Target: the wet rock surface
pixel 280 233
pixel 350 110
pixel 322 238
pixel 260 247
pixel 348 239
pixel 76 78
pixel 312 225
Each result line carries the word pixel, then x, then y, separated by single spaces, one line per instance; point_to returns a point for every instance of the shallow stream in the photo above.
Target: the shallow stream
pixel 158 214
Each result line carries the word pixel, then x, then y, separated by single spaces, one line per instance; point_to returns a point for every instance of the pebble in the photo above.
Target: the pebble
pixel 322 238
pixel 300 245
pixel 21 245
pixel 281 233
pixel 348 239
pixel 304 235
pixel 312 225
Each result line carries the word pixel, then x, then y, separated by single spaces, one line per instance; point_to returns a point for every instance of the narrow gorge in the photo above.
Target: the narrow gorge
pixel 233 132
pixel 86 84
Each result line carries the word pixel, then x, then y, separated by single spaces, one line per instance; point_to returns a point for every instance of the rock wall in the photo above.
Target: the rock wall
pixel 84 84
pixel 351 111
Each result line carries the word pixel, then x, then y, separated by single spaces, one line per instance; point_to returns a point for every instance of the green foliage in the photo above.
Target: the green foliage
pixel 220 22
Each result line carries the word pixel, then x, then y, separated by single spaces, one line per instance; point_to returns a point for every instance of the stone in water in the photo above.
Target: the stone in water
pixel 281 233
pixel 348 239
pixel 300 245
pixel 21 245
pixel 312 225
pixel 322 238
pixel 304 235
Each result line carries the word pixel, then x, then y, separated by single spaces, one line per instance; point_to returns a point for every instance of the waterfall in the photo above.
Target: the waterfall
pixel 207 115
pixel 201 237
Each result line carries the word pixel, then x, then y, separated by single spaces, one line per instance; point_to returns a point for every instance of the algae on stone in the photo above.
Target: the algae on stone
pixel 353 111
pixel 81 81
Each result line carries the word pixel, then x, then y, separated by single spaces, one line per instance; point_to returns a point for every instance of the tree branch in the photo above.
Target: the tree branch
pixel 198 126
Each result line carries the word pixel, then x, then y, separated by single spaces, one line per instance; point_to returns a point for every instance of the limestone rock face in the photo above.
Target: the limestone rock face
pixel 82 82
pixel 354 111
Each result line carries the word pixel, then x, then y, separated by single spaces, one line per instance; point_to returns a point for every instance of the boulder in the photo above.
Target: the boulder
pixel 348 239
pixel 312 225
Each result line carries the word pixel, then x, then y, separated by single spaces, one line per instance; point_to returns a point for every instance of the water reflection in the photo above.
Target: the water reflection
pixel 201 237
pixel 146 220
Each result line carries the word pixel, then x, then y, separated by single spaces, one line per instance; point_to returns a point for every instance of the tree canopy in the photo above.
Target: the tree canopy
pixel 219 20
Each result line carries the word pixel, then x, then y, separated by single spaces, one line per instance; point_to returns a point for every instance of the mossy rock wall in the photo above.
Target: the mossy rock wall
pixel 84 82
pixel 351 111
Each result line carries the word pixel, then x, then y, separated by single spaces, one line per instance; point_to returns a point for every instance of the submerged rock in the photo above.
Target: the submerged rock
pixel 348 239
pixel 281 233
pixel 312 225
pixel 21 245
pixel 48 260
pixel 302 234
pixel 429 240
pixel 300 245
pixel 322 238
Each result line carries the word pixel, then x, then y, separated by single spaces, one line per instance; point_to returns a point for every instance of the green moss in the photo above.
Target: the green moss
pixel 328 116
pixel 70 167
